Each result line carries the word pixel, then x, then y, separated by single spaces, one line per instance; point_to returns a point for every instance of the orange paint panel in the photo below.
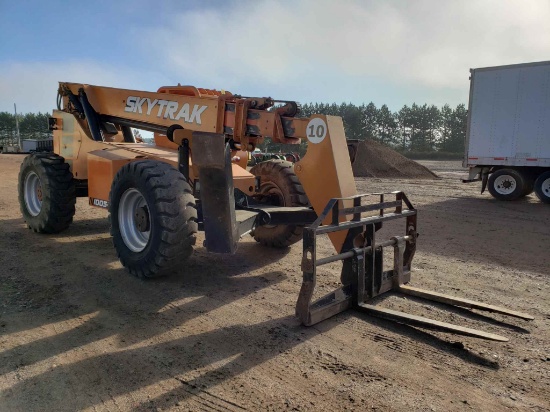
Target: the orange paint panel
pixel 193 91
pixel 73 143
pixel 243 179
pixel 325 170
pixel 241 158
pixel 102 168
pixel 162 141
pixel 162 109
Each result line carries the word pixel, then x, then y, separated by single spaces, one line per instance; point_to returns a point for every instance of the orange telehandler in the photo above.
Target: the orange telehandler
pixel 195 178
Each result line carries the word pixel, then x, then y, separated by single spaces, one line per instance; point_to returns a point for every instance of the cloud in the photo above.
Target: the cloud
pixel 33 85
pixel 395 52
pixel 429 44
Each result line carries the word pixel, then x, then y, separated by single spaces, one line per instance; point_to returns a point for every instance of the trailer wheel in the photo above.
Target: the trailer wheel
pixel 542 187
pixel 279 186
pixel 506 184
pixel 153 218
pixel 47 194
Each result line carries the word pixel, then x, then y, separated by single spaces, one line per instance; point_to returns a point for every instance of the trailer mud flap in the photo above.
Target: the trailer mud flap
pixel 213 158
pixel 363 277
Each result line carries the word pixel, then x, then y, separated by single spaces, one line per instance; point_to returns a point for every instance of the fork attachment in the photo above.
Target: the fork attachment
pixel 363 277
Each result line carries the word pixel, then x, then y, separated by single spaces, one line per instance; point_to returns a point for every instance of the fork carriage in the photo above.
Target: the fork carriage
pixel 363 277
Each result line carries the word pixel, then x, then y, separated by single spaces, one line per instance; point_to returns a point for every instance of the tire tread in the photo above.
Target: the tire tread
pixel 175 213
pixel 58 188
pixel 288 234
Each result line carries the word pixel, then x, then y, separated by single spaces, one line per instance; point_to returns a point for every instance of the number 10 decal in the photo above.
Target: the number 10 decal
pixel 316 130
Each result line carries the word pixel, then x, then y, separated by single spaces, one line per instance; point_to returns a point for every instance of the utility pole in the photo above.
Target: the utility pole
pixel 17 129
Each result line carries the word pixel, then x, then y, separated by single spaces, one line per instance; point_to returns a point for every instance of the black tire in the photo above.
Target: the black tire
pixel 542 187
pixel 47 193
pixel 506 184
pixel 279 186
pixel 157 194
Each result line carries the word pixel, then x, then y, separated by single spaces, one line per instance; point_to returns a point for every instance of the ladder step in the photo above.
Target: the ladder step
pixel 466 303
pixel 406 318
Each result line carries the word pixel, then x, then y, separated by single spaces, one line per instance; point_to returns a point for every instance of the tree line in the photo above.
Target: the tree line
pixel 31 126
pixel 415 129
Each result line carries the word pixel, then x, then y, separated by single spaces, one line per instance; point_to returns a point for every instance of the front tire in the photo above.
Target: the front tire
pixel 279 186
pixel 153 218
pixel 542 187
pixel 47 193
pixel 507 184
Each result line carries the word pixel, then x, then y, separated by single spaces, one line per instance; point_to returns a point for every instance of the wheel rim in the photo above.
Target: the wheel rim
pixel 33 194
pixel 132 204
pixel 545 187
pixel 505 184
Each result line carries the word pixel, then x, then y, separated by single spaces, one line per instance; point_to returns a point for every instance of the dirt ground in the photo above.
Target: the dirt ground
pixel 79 333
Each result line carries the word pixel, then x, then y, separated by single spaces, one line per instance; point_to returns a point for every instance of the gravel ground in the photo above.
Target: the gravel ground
pixel 77 332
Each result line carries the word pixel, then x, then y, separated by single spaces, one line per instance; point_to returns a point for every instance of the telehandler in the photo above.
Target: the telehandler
pixel 195 178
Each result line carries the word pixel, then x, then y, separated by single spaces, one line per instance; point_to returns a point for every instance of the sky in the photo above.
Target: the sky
pixel 392 52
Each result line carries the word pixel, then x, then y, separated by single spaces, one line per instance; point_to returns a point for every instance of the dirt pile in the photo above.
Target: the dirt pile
pixel 373 159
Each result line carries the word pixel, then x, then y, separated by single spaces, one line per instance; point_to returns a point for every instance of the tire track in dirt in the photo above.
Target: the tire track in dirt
pixel 209 400
pixel 410 342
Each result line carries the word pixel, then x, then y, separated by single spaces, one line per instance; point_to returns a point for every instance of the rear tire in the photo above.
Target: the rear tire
pixel 153 218
pixel 280 185
pixel 47 194
pixel 542 187
pixel 506 184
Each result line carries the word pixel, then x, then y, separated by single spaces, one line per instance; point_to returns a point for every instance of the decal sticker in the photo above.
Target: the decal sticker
pixel 167 109
pixel 316 130
pixel 99 202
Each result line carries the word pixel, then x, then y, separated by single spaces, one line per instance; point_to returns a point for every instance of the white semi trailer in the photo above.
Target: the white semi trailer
pixel 508 132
